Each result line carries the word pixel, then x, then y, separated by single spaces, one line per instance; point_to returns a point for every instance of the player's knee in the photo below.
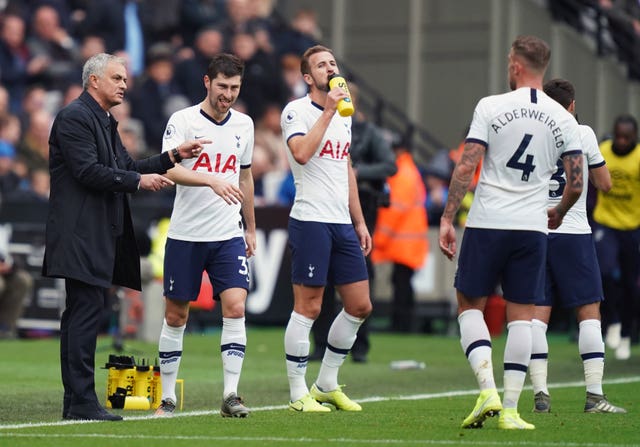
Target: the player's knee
pixel 176 316
pixel 235 310
pixel 360 310
pixel 310 309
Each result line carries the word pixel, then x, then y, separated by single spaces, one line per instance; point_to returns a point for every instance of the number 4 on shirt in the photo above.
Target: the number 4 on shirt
pixel 514 162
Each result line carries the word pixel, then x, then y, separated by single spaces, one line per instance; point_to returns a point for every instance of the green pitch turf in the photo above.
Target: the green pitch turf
pixel 400 408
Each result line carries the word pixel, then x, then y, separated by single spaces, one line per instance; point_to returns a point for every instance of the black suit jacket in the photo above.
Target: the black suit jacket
pixel 89 235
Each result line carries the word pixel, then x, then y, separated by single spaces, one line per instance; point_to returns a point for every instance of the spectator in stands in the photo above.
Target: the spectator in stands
pixel 269 156
pixel 35 98
pixel 9 180
pixel 269 134
pixel 34 190
pixel 302 33
pixel 70 93
pixel 34 146
pixel 568 11
pixel 11 135
pixel 260 166
pixel 51 41
pixel 624 24
pixel 196 15
pixel 16 285
pixel 290 66
pixel 239 18
pixel 13 170
pixel 131 131
pixel 90 46
pixel 401 235
pixel 4 102
pixel 262 83
pixel 436 176
pixel 208 42
pixel 18 67
pixel 121 26
pixel 152 96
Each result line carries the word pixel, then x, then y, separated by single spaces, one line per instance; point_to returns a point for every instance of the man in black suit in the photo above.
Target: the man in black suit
pixel 89 237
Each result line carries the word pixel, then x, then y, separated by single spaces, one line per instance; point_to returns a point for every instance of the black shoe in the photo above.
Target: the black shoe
pixel 90 412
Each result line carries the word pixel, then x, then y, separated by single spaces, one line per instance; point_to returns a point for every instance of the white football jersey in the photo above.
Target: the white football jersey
pixel 199 214
pixel 524 132
pixel 322 184
pixel 575 221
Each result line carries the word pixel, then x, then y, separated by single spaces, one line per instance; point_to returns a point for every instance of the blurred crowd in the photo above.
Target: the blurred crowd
pixel 614 23
pixel 167 45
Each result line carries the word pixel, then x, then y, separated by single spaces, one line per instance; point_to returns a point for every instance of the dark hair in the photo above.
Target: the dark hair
pixel 626 119
pixel 561 91
pixel 304 63
pixel 533 50
pixel 228 65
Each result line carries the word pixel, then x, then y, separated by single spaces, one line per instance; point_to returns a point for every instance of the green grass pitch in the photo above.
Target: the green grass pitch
pixel 400 408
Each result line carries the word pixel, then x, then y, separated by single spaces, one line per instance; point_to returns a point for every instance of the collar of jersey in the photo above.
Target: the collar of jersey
pixel 217 123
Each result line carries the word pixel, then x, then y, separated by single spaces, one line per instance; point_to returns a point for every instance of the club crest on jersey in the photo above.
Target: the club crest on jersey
pixel 291 114
pixel 238 141
pixel 168 133
pixel 217 165
pixel 334 151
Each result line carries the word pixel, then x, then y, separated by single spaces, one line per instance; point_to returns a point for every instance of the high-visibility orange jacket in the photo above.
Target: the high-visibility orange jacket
pixel 401 229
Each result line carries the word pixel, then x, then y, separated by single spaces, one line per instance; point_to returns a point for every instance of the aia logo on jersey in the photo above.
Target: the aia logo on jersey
pixel 218 165
pixel 334 151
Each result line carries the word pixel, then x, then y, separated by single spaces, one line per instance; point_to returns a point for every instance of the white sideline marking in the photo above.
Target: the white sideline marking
pixel 282 407
pixel 316 440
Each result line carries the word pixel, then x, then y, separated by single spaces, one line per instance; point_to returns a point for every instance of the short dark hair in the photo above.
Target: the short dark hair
pixel 227 64
pixel 561 91
pixel 304 63
pixel 533 50
pixel 626 119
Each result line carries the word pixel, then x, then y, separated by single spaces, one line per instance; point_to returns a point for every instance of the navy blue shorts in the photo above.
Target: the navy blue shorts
pixel 225 262
pixel 514 258
pixel 322 252
pixel 573 275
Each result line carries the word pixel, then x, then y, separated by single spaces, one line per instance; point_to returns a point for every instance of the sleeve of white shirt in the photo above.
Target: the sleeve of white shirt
pixel 591 147
pixel 247 155
pixel 174 132
pixel 292 123
pixel 479 129
pixel 572 140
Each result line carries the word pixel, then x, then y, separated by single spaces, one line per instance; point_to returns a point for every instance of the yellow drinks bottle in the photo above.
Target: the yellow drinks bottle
pixel 345 106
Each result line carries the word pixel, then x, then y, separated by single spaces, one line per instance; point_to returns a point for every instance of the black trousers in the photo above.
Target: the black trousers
pixel 79 328
pixel 403 298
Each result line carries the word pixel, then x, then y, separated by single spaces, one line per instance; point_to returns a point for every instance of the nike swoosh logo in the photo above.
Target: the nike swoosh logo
pixel 197 138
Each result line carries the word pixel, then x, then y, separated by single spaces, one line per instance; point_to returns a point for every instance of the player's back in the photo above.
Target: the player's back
pixel 525 132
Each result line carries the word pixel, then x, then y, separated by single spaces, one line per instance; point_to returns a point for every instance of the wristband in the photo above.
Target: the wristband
pixel 176 155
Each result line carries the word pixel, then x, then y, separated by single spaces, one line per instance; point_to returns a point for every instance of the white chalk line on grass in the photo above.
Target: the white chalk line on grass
pixel 282 407
pixel 314 440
